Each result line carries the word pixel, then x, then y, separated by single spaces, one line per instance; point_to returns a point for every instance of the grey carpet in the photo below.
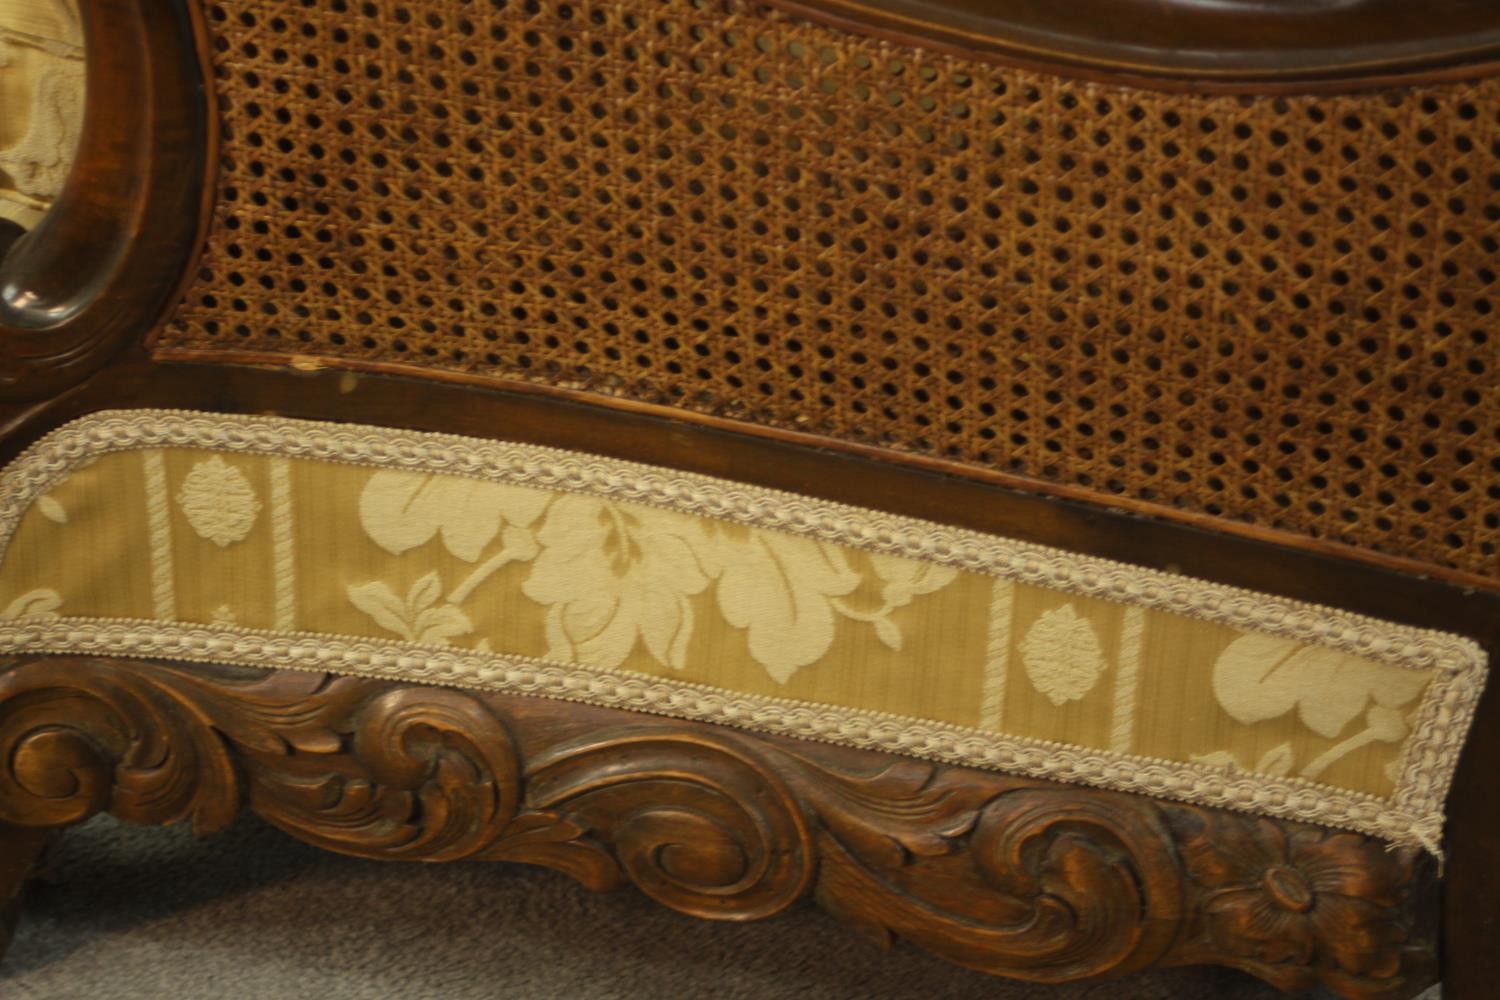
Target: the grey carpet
pixel 131 914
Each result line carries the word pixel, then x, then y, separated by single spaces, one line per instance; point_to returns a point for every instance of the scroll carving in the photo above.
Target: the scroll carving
pixel 1007 875
pixel 696 820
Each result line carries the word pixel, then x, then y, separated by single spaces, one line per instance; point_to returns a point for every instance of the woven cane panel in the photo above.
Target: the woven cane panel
pixel 1274 310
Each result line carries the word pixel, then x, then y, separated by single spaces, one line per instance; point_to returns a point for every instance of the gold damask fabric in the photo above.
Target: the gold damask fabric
pixel 41 103
pixel 449 560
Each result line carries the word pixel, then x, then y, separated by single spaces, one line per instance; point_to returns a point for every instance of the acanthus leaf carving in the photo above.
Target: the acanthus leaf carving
pixel 1008 875
pixel 1046 885
pixel 907 809
pixel 721 836
pixel 553 840
pixel 80 736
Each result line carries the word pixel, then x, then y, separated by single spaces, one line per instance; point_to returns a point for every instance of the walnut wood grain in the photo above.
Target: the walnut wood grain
pixel 1010 876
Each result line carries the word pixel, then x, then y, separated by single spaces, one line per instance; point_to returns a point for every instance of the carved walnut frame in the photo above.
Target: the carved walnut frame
pixel 1008 875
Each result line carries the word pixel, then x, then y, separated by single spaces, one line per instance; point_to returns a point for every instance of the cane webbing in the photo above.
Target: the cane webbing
pixel 1275 310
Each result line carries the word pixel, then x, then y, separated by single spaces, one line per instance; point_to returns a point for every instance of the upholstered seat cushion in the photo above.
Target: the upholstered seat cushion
pixel 459 561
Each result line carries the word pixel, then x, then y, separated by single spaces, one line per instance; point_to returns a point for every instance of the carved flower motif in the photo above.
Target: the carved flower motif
pixel 1295 897
pixel 219 502
pixel 1062 656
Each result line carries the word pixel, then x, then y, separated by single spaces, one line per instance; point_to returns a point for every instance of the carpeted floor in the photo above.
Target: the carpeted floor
pixel 131 914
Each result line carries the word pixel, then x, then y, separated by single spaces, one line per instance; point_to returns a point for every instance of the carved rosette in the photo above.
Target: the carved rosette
pixel 1007 875
pixel 1296 904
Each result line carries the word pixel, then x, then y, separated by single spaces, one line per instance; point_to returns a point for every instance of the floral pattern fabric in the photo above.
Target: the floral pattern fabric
pixel 577 576
pixel 42 94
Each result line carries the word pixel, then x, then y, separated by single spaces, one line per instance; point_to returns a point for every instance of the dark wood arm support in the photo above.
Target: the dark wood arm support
pixel 1471 890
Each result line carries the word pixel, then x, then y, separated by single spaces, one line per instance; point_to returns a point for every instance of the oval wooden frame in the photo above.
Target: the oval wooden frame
pixel 108 259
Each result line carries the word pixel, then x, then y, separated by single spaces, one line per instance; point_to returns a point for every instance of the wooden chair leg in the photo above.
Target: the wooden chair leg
pixel 21 848
pixel 1471 903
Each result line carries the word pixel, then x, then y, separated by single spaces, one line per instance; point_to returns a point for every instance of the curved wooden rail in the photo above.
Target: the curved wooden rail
pixel 1241 44
pixel 107 259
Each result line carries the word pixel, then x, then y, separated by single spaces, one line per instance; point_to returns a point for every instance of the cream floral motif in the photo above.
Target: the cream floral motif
pixel 610 575
pixel 42 85
pixel 1062 655
pixel 38 165
pixel 902 581
pixel 52 510
pixel 41 603
pixel 781 589
pixel 402 510
pixel 418 617
pixel 614 574
pixel 219 502
pixel 1260 677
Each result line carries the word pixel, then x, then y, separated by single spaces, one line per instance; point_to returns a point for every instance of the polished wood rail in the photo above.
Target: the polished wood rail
pixel 1241 44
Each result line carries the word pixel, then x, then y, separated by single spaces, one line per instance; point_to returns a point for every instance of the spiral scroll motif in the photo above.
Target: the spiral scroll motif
pixel 433 775
pixel 78 737
pixel 1012 877
pixel 1082 863
pixel 1004 874
pixel 697 822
